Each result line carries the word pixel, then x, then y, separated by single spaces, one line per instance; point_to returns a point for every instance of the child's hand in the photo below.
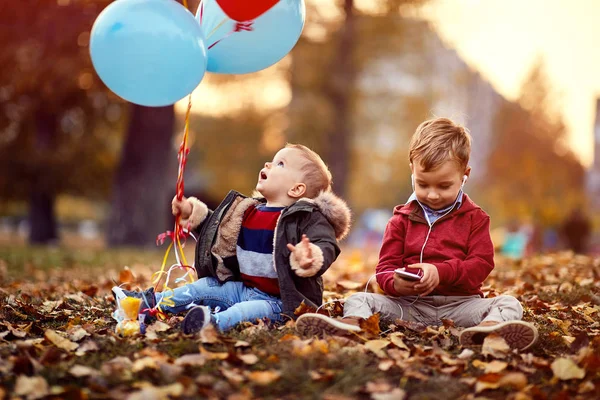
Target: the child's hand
pixel 405 287
pixel 181 207
pixel 430 279
pixel 302 252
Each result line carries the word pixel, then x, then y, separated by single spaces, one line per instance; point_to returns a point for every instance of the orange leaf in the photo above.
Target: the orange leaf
pixel 370 326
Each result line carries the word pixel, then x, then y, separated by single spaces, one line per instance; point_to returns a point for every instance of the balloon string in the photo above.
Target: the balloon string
pixel 238 27
pixel 216 28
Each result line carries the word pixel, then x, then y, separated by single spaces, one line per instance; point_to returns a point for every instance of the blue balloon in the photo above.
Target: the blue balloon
pixel 271 36
pixel 149 52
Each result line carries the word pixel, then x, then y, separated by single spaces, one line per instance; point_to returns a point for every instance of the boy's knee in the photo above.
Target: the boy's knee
pixel 510 302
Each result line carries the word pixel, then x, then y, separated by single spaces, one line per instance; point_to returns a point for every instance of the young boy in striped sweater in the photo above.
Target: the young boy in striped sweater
pixel 261 257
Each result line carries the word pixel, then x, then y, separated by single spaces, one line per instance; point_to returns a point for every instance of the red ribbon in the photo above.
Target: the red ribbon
pixel 238 27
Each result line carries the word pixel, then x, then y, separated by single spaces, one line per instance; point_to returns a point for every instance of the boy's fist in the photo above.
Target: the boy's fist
pixel 181 207
pixel 302 252
pixel 430 279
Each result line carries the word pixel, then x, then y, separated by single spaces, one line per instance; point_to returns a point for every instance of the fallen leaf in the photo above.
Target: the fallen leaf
pixel 495 346
pixel 565 369
pixel 586 387
pixel 377 346
pixel 242 343
pixel 304 308
pixel 81 370
pixel 143 363
pixel 349 285
pixel 59 341
pixel 34 387
pixel 495 367
pixel 385 365
pixel 370 326
pixel 77 333
pixel 263 378
pixel 158 326
pixel 209 334
pixel 515 380
pixel 394 394
pixel 88 345
pixel 193 360
pixel 378 386
pixel 466 354
pixel 248 359
pixel 396 339
pixel 234 376
pixel 126 276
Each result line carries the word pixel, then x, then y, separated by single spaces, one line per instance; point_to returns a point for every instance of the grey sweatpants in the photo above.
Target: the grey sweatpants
pixel 465 311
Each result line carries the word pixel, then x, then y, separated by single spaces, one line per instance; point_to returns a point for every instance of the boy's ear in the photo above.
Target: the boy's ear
pixel 297 191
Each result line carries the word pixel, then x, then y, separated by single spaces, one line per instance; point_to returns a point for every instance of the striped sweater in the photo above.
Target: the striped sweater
pixel 255 248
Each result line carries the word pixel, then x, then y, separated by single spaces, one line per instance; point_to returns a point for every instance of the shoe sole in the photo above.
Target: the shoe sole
pixel 194 321
pixel 320 325
pixel 518 335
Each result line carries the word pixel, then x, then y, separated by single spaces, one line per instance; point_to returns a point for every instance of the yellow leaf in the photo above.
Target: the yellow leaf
pixel 565 369
pixel 350 285
pixel 143 363
pixel 248 359
pixel 81 370
pixel 377 346
pixel 194 360
pixel 33 387
pixel 59 341
pixel 494 346
pixel 263 378
pixel 158 326
pixel 385 365
pixel 495 367
pixel 395 338
pixel 126 276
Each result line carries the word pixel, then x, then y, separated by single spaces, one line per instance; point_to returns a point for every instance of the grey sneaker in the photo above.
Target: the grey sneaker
pixel 310 324
pixel 196 319
pixel 518 334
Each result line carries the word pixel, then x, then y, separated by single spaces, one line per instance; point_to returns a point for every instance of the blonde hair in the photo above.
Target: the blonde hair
pixel 438 140
pixel 316 175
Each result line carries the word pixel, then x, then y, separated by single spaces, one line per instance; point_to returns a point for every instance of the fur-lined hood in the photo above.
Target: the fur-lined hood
pixel 335 210
pixel 332 207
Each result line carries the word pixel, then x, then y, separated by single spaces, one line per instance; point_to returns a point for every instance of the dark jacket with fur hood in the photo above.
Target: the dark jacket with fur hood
pixel 324 219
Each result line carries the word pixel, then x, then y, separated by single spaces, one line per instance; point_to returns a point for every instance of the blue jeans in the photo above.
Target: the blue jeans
pixel 237 302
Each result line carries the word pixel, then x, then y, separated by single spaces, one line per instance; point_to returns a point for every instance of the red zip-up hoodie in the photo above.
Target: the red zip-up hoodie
pixel 459 245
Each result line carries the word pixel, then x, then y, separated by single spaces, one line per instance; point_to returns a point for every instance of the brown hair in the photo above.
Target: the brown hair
pixel 317 177
pixel 438 140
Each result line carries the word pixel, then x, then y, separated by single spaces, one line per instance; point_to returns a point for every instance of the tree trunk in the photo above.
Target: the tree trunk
pixel 140 199
pixel 339 91
pixel 42 221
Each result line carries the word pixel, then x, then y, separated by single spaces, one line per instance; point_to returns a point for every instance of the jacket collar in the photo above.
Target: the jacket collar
pixel 416 213
pixel 331 206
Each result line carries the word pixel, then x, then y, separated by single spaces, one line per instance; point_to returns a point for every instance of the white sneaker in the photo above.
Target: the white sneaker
pixel 310 324
pixel 518 334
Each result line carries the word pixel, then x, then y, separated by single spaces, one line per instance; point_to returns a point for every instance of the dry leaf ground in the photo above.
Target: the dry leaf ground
pixel 57 339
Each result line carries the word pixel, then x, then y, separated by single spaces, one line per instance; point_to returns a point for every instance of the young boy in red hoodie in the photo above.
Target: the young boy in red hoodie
pixel 442 236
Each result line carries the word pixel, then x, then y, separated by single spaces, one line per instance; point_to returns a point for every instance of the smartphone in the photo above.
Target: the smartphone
pixel 407 275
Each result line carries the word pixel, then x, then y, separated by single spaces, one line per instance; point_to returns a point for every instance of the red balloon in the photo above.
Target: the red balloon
pixel 244 10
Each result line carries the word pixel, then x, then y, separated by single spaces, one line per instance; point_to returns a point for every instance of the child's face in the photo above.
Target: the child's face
pixel 438 188
pixel 280 181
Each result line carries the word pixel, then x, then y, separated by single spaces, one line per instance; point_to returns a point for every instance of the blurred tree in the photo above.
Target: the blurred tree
pixel 139 201
pixel 532 173
pixel 56 117
pixel 331 55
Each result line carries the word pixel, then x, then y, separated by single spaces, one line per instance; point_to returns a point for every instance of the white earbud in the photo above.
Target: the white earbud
pixel 412 181
pixel 464 179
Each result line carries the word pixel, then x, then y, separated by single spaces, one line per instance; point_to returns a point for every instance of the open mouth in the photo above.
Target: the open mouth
pixel 263 175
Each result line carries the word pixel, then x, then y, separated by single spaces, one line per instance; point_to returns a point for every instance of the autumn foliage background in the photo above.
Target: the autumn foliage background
pixel 86 180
